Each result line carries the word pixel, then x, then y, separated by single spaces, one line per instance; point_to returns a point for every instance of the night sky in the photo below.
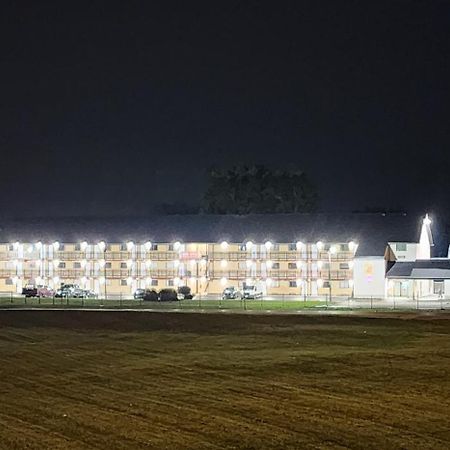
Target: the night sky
pixel 113 108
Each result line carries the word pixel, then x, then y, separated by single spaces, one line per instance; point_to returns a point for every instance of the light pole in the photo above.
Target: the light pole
pixel 331 251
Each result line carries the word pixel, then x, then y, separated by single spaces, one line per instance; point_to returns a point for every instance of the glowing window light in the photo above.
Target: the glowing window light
pixel 176 263
pixel 15 280
pixel 83 263
pixel 176 281
pixel 56 262
pixel 177 245
pixel 130 245
pixel 320 282
pixel 351 264
pixel 269 264
pixel 83 246
pixel 299 282
pixel 223 263
pixel 148 281
pixel 55 246
pixel 299 245
pixel 319 264
pixel 426 220
pixel 333 250
pixel 16 245
pixel 148 246
pixel 129 263
pixel 101 280
pixel 15 263
pixel 298 264
pixel 102 246
pixel 38 245
pixel 352 246
pixel 148 264
pixel 248 281
pixel 249 245
pixel 319 245
pixel 249 263
pixel 268 245
pixel 268 281
pixel 223 281
pixel 129 281
pixel 102 263
pixel 203 261
pixel 224 245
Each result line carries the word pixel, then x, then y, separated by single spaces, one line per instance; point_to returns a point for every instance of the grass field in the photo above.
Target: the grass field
pixel 118 380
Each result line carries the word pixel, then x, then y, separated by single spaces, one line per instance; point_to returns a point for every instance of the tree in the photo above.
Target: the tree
pixel 257 189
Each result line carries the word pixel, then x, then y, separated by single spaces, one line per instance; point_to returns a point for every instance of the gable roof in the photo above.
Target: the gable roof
pixel 370 231
pixel 438 268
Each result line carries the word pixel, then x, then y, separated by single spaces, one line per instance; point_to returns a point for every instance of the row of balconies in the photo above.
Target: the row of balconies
pixel 124 273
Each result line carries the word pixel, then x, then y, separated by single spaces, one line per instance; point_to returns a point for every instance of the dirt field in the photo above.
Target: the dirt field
pixel 74 379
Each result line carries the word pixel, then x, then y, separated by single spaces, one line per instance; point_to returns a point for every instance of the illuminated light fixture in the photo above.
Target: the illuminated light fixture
pixel 350 264
pixel 83 246
pixel 268 245
pixel 101 280
pixel 203 279
pixel 38 245
pixel 148 246
pixel 223 263
pixel 148 264
pixel 249 245
pixel 176 281
pixel 299 245
pixel 56 262
pixel 333 250
pixel 319 245
pixel 38 262
pixel 83 263
pixel 192 262
pixel 298 264
pixel 248 281
pixel 56 280
pixel 350 283
pixel 84 280
pixel 224 245
pixel 269 264
pixel 203 261
pixel 55 246
pixel 176 263
pixel 319 264
pixel 268 281
pixel 299 282
pixel 102 263
pixel 16 245
pixel 223 281
pixel 192 279
pixel 130 245
pixel 320 282
pixel 177 245
pixel 129 281
pixel 352 246
pixel 15 263
pixel 30 248
pixel 102 246
pixel 38 280
pixel 249 263
pixel 15 280
pixel 129 263
pixel 426 220
pixel 148 280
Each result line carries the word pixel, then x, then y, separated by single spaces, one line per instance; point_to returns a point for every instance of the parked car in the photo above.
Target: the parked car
pixel 44 291
pixel 253 291
pixel 150 295
pixel 231 293
pixel 184 293
pixel 67 290
pixel 29 290
pixel 139 294
pixel 168 295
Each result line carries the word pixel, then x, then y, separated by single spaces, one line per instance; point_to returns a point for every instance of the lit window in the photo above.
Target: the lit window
pixel 401 246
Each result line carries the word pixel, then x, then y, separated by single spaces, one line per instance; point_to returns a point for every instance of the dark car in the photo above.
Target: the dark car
pixel 30 291
pixel 139 293
pixel 150 295
pixel 184 293
pixel 168 295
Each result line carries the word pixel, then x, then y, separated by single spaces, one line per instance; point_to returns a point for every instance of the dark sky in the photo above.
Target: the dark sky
pixel 111 108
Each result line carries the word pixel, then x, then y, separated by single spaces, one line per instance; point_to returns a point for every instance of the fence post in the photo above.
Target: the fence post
pixel 371 302
pixel 53 300
pixel 25 299
pixel 394 302
pixel 120 300
pixel 11 297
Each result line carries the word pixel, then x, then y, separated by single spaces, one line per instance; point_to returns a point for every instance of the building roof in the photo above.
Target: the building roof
pixel 370 231
pixel 438 268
